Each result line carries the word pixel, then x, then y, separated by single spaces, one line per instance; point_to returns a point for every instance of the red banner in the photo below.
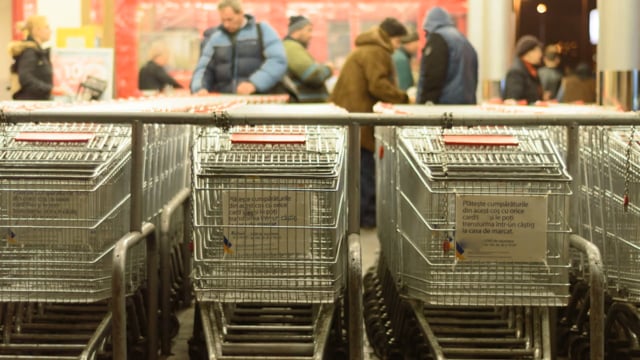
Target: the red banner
pixel 22 9
pixel 180 24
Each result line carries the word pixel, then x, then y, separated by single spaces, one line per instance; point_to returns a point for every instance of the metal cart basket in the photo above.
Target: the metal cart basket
pixel 269 225
pixel 474 240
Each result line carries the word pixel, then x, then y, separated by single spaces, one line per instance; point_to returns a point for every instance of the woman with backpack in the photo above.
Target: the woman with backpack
pixel 31 71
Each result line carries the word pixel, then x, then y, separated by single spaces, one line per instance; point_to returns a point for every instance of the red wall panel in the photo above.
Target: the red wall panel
pixel 336 25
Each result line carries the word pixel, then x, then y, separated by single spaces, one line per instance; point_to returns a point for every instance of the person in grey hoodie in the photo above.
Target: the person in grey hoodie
pixel 449 66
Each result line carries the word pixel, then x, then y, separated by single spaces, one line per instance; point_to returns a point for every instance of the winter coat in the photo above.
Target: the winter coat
pixel 229 59
pixel 449 65
pixel 520 84
pixel 32 65
pixel 154 77
pixel 402 63
pixel 550 79
pixel 367 77
pixel 576 88
pixel 308 75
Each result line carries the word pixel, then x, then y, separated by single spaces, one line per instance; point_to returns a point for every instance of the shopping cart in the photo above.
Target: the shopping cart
pixel 269 225
pixel 609 217
pixel 474 252
pixel 64 205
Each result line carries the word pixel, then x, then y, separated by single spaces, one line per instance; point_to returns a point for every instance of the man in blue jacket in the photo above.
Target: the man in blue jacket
pixel 449 66
pixel 241 56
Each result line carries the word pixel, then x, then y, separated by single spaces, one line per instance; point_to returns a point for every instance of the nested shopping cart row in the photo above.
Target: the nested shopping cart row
pixel 66 200
pixel 609 196
pixel 474 230
pixel 269 214
pixel 444 180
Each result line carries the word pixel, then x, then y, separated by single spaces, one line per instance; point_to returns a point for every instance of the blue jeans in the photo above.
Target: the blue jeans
pixel 367 189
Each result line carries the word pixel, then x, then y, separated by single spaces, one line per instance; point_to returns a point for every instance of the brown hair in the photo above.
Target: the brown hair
pixel 235 5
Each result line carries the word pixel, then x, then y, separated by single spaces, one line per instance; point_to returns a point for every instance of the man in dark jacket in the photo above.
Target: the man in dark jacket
pixel 367 77
pixel 307 74
pixel 241 57
pixel 449 66
pixel 152 75
pixel 522 82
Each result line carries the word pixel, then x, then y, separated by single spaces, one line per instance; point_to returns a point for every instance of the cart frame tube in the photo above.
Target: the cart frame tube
pixel 596 294
pixel 354 274
pixel 235 117
pixel 118 291
pixel 165 226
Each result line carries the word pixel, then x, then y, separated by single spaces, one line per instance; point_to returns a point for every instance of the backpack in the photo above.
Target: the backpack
pixel 14 78
pixel 286 84
pixel 16 48
pixel 14 84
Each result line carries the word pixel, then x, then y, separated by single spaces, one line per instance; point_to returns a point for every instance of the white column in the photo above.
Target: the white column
pixel 6 33
pixel 491 31
pixel 619 53
pixel 61 14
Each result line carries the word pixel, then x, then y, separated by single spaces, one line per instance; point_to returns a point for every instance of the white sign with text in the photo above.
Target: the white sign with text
pixel 263 222
pixel 501 228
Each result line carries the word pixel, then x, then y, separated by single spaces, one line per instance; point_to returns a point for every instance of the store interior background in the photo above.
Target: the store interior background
pixel 130 26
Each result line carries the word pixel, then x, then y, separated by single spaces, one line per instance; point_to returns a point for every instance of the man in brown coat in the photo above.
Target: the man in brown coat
pixel 367 77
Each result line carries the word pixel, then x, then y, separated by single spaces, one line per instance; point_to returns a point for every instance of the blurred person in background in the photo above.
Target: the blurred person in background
pixel 367 77
pixel 240 57
pixel 522 82
pixel 31 70
pixel 402 60
pixel 152 75
pixel 550 74
pixel 580 86
pixel 307 74
pixel 449 66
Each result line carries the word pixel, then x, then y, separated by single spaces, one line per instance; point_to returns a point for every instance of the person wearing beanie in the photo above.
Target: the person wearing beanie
pixel 402 60
pixel 307 75
pixel 522 82
pixel 367 77
pixel 449 65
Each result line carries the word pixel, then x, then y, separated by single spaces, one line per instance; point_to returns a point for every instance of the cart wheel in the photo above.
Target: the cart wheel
pixel 138 351
pixel 579 348
pixel 197 350
pixel 174 325
pixel 337 353
pixel 563 340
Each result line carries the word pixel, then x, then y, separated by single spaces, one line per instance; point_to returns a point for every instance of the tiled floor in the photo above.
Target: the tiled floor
pixel 180 349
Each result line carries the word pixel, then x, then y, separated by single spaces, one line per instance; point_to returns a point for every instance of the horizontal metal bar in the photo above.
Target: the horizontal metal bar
pixel 164 247
pixel 282 349
pixel 67 115
pixel 236 116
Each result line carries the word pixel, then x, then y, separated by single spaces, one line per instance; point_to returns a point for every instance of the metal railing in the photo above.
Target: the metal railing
pixel 445 118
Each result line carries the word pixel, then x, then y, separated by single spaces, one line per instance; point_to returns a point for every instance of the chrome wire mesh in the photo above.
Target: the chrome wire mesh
pixel 63 205
pixel 610 169
pixel 430 174
pixel 269 218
